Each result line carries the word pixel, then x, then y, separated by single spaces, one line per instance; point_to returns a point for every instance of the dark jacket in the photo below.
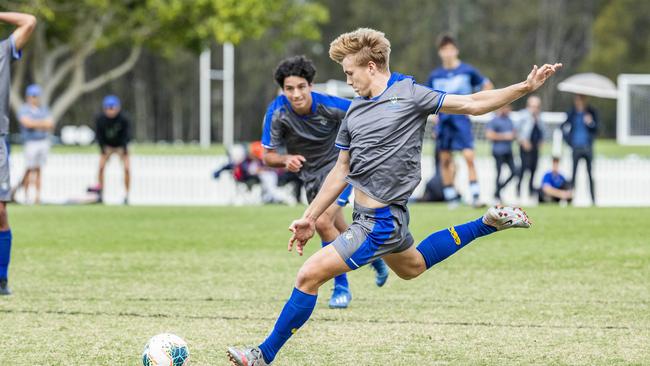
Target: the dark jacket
pixel 115 132
pixel 567 126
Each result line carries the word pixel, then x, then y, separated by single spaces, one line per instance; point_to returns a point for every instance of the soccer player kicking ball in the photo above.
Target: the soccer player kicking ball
pixel 306 123
pixel 380 142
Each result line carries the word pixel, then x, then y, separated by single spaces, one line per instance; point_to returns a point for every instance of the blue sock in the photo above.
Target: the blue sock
pixel 379 266
pixel 294 314
pixel 5 252
pixel 441 244
pixel 341 279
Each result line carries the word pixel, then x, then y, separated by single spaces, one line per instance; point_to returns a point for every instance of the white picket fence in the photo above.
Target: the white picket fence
pixel 618 182
pixel 187 180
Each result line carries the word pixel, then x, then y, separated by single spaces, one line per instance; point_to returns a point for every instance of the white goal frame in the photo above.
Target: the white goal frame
pixel 623 109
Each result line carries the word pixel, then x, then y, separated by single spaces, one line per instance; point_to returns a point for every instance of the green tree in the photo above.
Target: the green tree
pixel 620 39
pixel 72 31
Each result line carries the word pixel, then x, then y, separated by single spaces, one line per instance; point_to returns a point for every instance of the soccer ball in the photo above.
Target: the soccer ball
pixel 166 349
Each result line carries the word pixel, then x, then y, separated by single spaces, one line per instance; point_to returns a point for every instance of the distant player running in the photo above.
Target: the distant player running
pixel 10 50
pixel 306 123
pixel 380 141
pixel 454 131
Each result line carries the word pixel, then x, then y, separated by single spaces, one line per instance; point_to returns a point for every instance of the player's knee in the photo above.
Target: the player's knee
pixel 4 219
pixel 308 279
pixel 409 274
pixel 445 161
pixel 406 276
pixel 412 271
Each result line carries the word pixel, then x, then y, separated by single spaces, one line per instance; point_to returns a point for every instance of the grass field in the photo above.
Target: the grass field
pixel 92 284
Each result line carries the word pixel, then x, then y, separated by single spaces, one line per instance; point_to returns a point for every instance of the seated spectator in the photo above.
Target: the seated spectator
pixel 555 187
pixel 245 162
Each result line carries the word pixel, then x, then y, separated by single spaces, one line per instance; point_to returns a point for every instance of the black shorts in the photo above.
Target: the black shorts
pixel 105 149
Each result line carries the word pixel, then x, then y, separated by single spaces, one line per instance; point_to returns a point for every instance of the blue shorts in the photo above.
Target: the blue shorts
pixel 344 197
pixel 373 234
pixel 455 134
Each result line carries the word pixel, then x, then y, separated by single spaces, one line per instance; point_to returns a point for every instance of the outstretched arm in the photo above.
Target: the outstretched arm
pixel 489 100
pixel 25 24
pixel 303 229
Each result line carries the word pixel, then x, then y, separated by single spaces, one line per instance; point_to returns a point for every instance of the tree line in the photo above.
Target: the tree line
pixel 147 51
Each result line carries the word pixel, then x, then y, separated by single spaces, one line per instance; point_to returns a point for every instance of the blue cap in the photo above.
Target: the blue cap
pixel 34 90
pixel 111 101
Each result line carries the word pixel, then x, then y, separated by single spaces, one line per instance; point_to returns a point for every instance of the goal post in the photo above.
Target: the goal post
pixel 633 109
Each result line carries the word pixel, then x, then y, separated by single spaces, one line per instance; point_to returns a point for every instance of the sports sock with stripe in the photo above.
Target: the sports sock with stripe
pixel 441 244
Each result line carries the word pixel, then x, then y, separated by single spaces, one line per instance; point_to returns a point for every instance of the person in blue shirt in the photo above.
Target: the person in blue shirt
pixel 36 125
pixel 454 131
pixel 555 187
pixel 579 131
pixel 501 132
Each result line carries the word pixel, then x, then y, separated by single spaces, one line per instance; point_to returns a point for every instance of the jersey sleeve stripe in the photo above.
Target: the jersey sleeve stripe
pixel 268 121
pixel 442 99
pixel 342 147
pixel 332 101
pixel 16 53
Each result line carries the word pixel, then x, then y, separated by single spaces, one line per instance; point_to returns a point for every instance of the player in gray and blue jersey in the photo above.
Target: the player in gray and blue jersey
pixel 10 50
pixel 306 124
pixel 381 143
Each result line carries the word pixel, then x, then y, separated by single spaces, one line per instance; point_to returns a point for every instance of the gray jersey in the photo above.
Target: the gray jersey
pixel 8 53
pixel 384 135
pixel 311 136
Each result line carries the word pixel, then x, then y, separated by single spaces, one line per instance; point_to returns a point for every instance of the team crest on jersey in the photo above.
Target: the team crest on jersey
pixel 393 102
pixel 321 120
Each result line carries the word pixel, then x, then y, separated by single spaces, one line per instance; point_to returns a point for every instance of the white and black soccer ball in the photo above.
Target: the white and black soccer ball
pixel 166 349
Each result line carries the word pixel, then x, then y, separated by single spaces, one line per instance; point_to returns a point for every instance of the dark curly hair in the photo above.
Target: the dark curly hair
pixel 446 39
pixel 299 66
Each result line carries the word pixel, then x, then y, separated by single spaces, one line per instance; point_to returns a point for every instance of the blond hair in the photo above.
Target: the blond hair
pixel 365 45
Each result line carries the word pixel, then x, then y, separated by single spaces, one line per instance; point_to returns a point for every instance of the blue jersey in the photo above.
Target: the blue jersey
pixel 463 80
pixel 554 180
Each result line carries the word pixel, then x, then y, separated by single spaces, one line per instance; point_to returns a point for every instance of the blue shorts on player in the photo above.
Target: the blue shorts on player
pixel 374 232
pixel 454 133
